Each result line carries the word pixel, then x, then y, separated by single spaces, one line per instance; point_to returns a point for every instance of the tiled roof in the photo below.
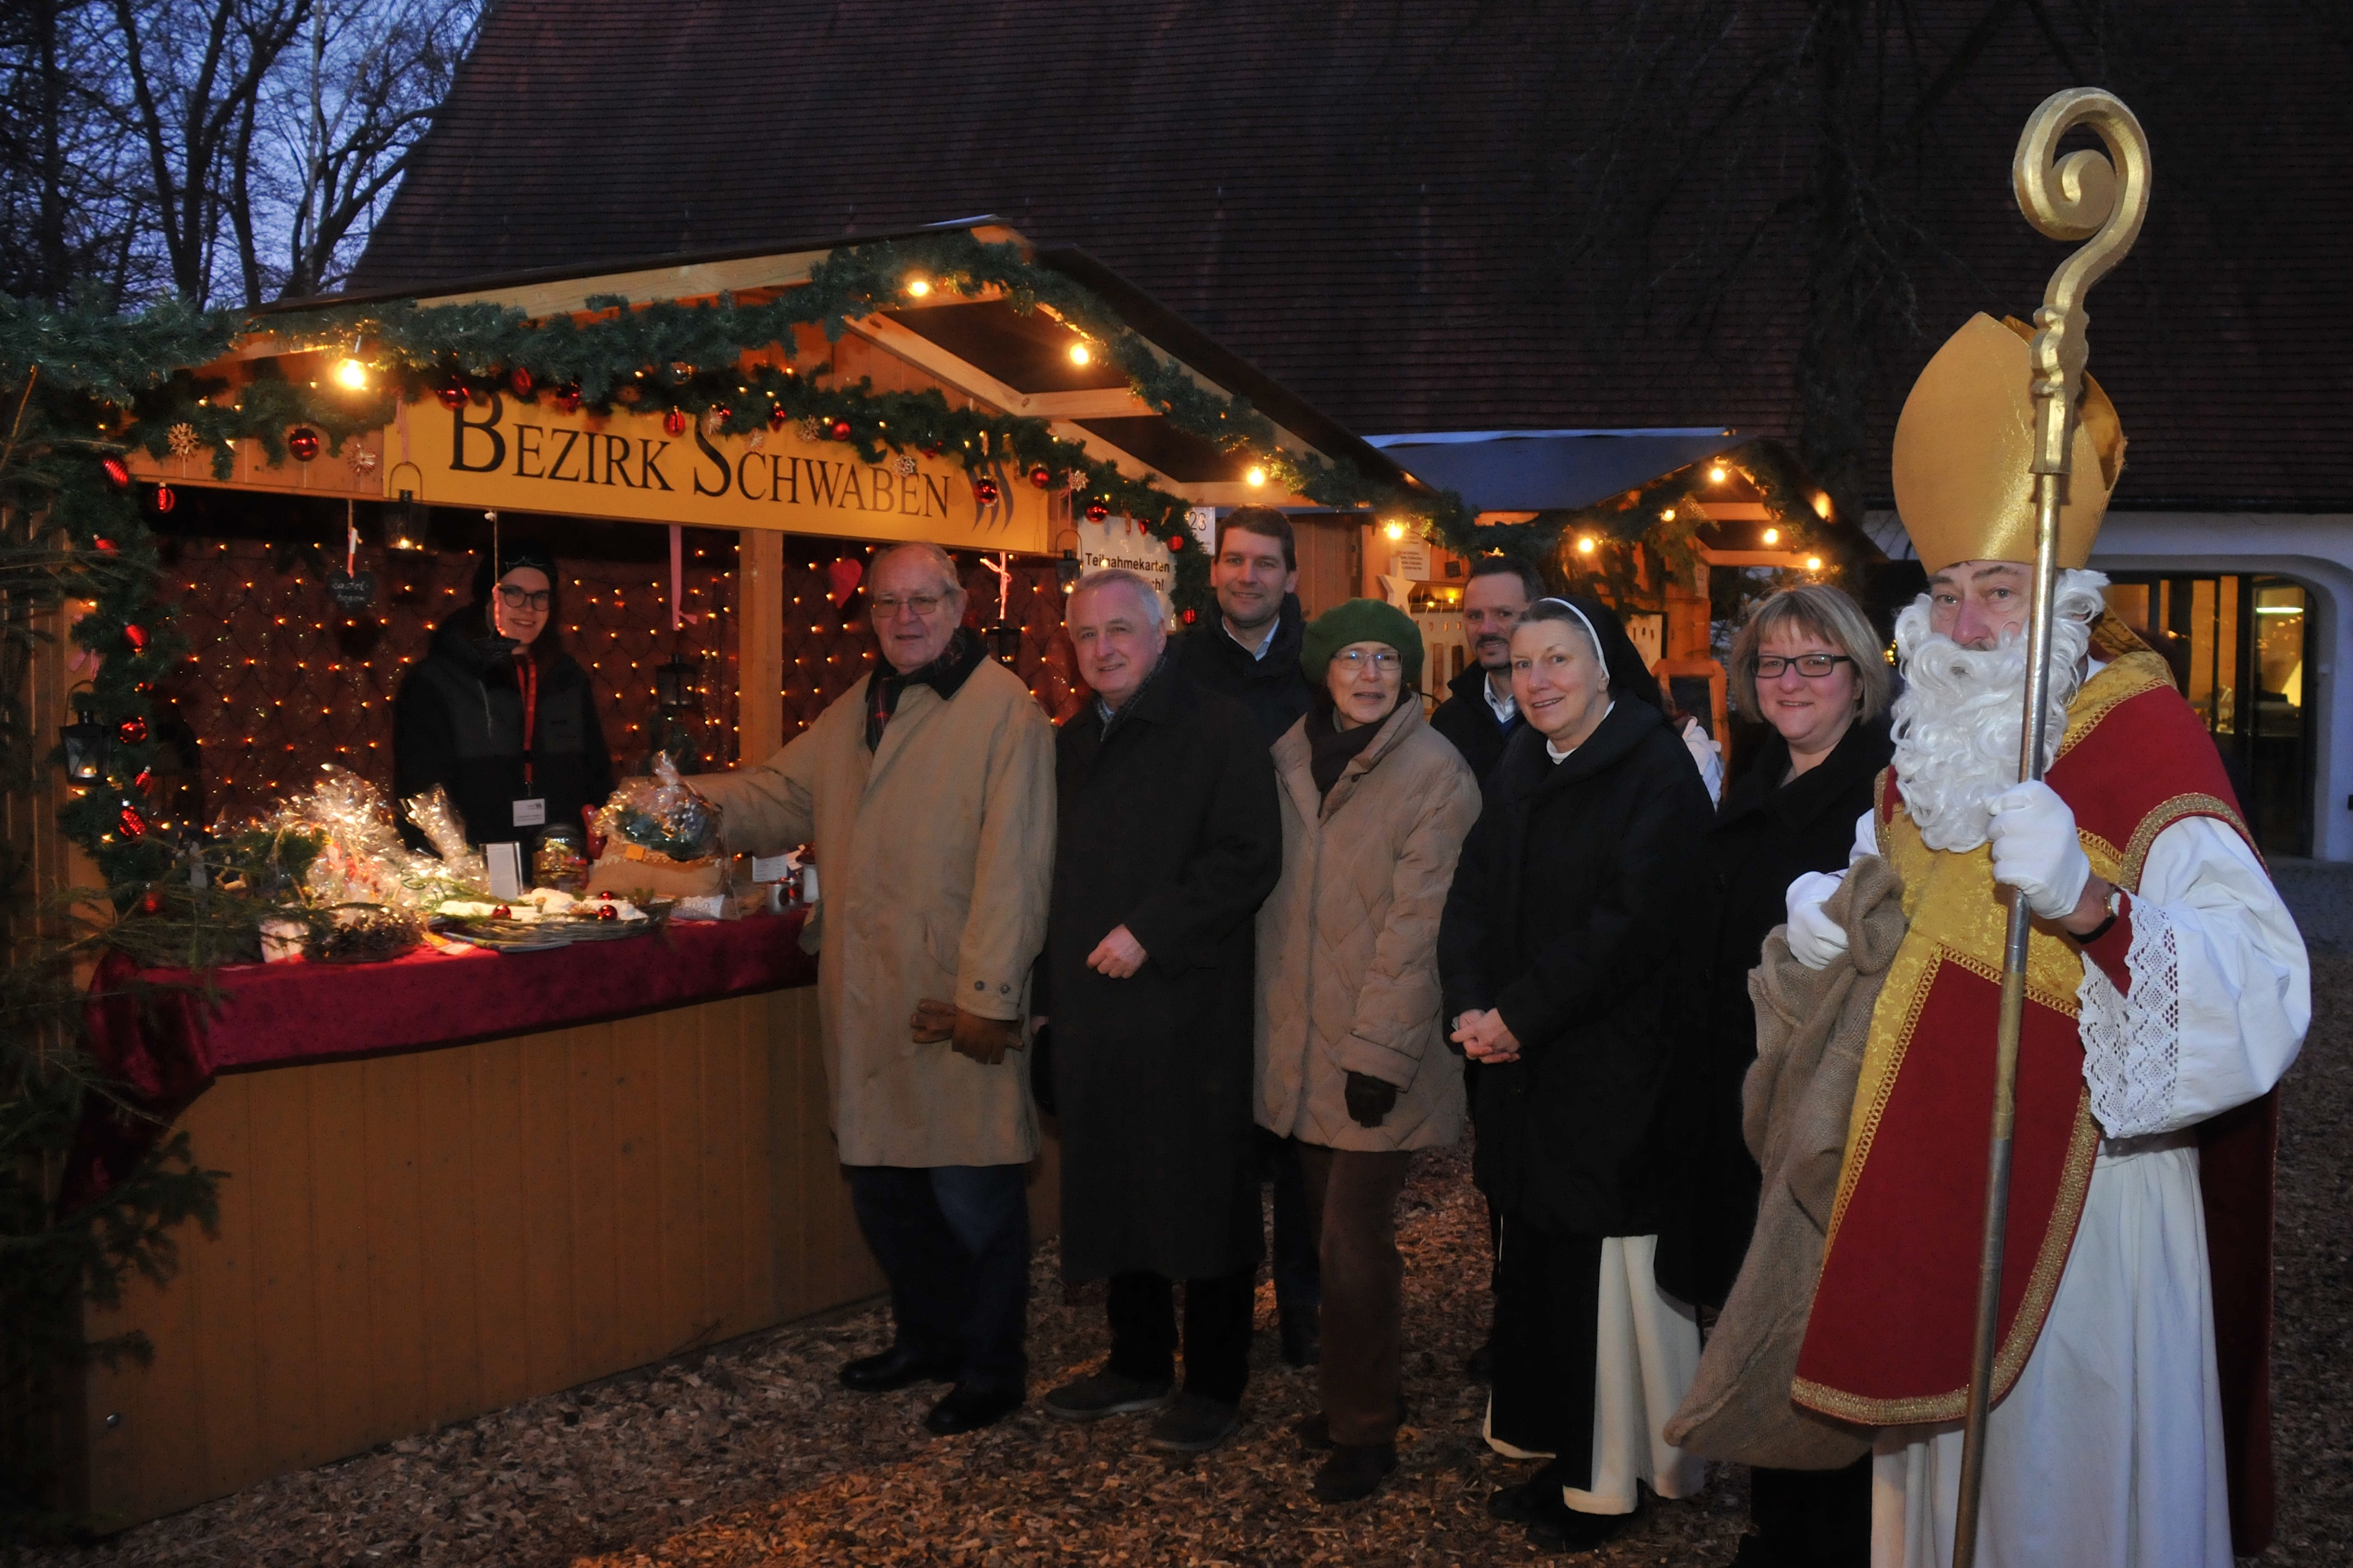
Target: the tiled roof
pixel 1363 199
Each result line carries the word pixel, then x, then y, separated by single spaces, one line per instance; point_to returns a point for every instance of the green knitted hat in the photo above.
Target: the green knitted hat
pixel 1361 620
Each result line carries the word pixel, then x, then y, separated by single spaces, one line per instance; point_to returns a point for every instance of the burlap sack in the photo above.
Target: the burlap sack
pixel 1812 1025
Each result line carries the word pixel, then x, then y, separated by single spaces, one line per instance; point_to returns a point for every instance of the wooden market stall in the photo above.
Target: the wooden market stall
pixel 434 1205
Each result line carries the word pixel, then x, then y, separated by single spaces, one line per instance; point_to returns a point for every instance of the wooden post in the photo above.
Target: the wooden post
pixel 760 645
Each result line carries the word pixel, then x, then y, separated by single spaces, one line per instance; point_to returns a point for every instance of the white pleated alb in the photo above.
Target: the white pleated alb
pixel 1645 1354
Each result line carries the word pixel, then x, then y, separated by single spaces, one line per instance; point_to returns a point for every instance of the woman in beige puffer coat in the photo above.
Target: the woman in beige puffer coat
pixel 1352 1053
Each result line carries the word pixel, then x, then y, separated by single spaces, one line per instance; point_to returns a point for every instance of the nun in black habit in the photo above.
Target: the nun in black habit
pixel 1558 956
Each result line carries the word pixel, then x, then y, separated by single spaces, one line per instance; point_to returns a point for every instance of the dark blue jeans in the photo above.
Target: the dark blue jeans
pixel 954 1240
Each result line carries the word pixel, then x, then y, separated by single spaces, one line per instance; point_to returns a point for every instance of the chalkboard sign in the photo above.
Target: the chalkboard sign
pixel 351 592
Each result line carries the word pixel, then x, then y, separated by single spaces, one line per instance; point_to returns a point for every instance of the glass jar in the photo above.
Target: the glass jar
pixel 560 861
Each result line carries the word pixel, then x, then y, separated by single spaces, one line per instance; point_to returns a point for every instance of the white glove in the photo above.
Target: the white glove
pixel 2035 849
pixel 1814 938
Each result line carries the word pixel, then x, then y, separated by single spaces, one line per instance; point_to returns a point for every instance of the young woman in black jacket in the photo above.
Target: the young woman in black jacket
pixel 1557 954
pixel 1807 664
pixel 498 714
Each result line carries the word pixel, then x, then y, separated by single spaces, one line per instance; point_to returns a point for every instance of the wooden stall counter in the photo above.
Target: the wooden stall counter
pixel 434 1208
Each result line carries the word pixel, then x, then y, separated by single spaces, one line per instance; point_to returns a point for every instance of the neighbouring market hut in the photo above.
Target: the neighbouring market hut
pixel 455 1181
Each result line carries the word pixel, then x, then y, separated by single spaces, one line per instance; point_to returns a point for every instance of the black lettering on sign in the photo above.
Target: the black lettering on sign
pixel 910 496
pixel 850 490
pixel 935 493
pixel 879 486
pixel 564 456
pixel 527 448
pixel 616 461
pixel 785 479
pixel 488 429
pixel 743 477
pixel 649 453
pixel 717 461
pixel 823 486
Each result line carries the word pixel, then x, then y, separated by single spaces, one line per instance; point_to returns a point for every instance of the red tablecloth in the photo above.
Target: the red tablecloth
pixel 155 1033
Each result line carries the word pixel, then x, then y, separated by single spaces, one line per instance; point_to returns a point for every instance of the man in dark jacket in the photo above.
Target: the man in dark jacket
pixel 1252 654
pixel 1480 715
pixel 1168 840
pixel 499 715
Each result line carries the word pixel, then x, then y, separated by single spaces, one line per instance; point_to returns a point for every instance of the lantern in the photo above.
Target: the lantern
pixel 1003 639
pixel 678 684
pixel 85 743
pixel 405 521
pixel 1067 570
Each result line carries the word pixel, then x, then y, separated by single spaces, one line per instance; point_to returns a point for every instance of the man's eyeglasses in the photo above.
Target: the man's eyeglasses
pixel 1383 659
pixel 515 598
pixel 888 606
pixel 1812 665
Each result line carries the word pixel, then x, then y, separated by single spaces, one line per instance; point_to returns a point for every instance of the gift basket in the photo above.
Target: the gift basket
pixel 660 838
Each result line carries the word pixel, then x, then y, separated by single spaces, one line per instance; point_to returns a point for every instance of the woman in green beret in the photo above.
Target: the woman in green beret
pixel 1352 1053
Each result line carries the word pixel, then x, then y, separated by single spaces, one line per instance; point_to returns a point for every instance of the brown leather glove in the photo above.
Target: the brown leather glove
pixel 1369 1098
pixel 985 1040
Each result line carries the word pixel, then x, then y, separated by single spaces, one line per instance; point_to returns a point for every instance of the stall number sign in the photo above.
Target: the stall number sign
pixel 531 457
pixel 1118 541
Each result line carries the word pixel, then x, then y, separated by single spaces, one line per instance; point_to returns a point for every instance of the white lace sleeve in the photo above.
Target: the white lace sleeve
pixel 2132 1044
pixel 2219 993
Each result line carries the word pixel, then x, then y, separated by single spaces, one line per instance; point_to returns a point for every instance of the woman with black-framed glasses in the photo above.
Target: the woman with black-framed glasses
pixel 499 715
pixel 1807 664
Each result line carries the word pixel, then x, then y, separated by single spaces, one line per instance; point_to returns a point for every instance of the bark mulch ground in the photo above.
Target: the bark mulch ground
pixel 752 1455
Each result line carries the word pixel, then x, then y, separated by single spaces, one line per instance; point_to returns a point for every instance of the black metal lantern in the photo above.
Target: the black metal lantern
pixel 1067 570
pixel 1003 639
pixel 86 743
pixel 678 685
pixel 406 519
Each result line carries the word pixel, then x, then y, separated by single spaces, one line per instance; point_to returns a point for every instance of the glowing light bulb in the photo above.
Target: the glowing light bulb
pixel 1080 354
pixel 1586 545
pixel 1771 536
pixel 1813 563
pixel 1718 474
pixel 1395 529
pixel 351 373
pixel 1254 476
pixel 918 287
pixel 1667 515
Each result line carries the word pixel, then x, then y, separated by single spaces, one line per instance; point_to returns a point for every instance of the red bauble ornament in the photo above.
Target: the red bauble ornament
pixel 985 490
pixel 520 379
pixel 1097 511
pixel 501 912
pixel 839 430
pixel 933 449
pixel 118 472
pixel 165 500
pixel 152 904
pixel 569 397
pixel 103 546
pixel 133 824
pixel 1041 476
pixel 452 394
pixel 1175 543
pixel 146 777
pixel 778 418
pixel 1190 616
pixel 607 913
pixel 303 443
pixel 131 730
pixel 674 422
pixel 136 636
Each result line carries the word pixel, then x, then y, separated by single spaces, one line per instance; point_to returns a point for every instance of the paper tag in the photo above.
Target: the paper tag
pixel 504 863
pixel 530 813
pixel 771 868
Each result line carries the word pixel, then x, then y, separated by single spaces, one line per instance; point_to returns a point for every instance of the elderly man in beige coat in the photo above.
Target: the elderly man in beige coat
pixel 928 788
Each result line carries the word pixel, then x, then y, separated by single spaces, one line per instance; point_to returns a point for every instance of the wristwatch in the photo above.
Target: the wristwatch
pixel 2115 911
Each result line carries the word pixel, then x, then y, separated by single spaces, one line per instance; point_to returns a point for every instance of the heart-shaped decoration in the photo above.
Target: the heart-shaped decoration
pixel 845 575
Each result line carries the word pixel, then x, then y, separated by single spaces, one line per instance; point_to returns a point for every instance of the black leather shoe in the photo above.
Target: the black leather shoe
pixel 1353 1473
pixel 1569 1531
pixel 898 1367
pixel 1303 1336
pixel 968 1409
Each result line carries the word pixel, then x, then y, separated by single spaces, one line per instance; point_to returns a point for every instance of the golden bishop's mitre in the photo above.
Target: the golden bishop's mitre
pixel 1963 447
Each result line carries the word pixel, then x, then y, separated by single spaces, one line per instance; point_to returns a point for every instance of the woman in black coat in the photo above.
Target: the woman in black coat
pixel 1807 664
pixel 499 715
pixel 1558 957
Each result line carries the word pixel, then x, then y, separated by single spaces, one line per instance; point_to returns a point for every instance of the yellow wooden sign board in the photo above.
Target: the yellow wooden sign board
pixel 514 455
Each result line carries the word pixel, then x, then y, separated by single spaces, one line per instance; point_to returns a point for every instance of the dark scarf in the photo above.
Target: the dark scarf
pixel 1329 747
pixel 1111 719
pixel 945 675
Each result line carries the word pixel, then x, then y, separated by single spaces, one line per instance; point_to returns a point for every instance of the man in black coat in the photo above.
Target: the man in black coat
pixel 1168 839
pixel 1252 654
pixel 1478 715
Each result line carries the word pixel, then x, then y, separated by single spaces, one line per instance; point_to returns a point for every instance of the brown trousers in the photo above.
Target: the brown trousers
pixel 1352 1197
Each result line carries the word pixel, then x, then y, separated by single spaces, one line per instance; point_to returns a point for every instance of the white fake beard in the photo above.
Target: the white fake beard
pixel 1957 723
